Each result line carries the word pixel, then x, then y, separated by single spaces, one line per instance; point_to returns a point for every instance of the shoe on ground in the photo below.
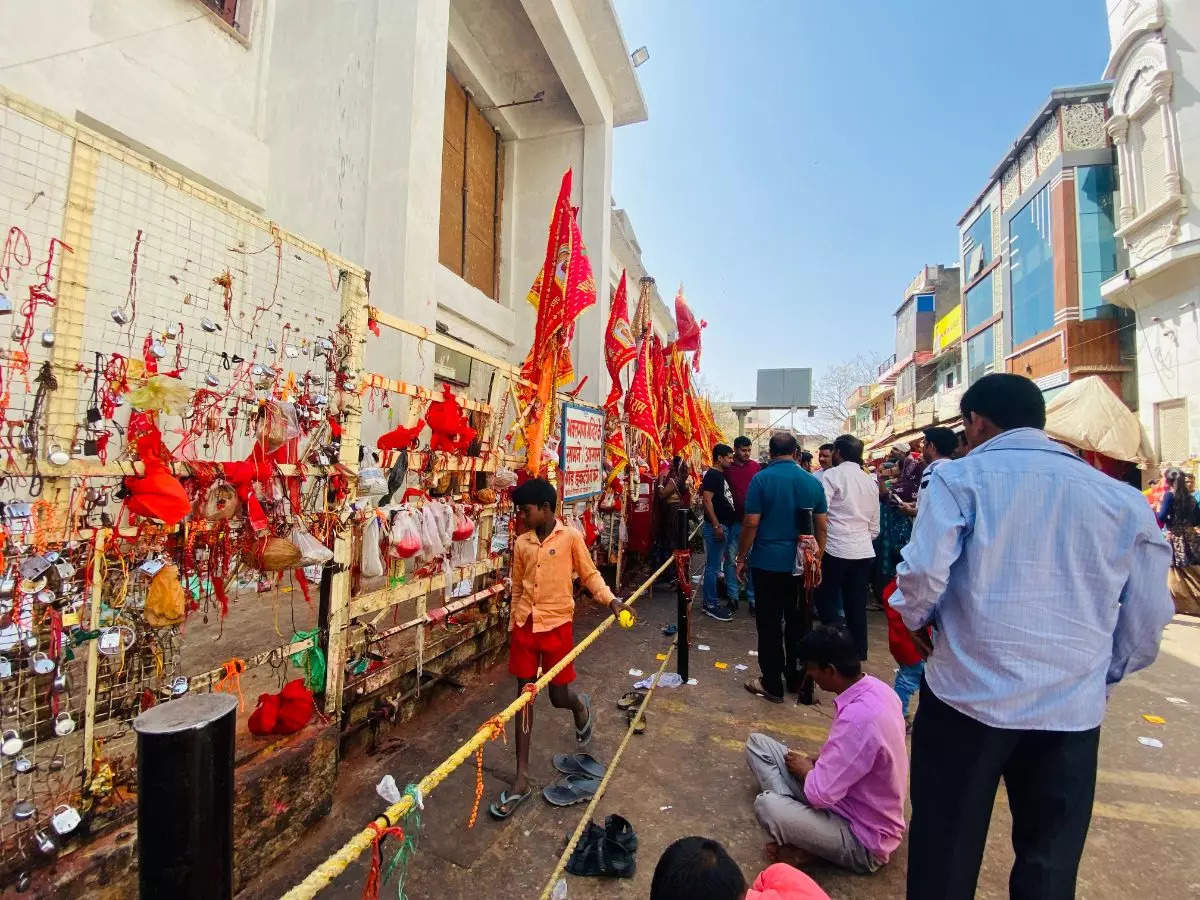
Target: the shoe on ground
pixel 720 613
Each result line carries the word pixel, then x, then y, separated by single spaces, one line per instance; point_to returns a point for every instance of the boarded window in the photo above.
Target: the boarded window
pixel 1171 425
pixel 472 166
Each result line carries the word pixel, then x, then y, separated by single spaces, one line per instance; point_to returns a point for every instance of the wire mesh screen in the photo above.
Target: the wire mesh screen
pixel 117 271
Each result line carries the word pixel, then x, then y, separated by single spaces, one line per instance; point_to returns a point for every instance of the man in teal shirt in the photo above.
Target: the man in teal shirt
pixel 783 503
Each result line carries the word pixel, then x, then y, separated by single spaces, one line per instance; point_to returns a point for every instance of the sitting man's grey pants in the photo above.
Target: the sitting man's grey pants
pixel 783 810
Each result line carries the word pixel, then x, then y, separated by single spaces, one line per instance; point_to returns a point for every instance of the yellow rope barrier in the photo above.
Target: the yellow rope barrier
pixel 612 767
pixel 331 868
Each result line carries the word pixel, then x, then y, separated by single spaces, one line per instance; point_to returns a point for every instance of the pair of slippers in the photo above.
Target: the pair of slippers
pixel 630 703
pixel 583 774
pixel 608 852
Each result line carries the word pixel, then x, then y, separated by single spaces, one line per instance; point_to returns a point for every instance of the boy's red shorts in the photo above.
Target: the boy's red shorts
pixel 527 650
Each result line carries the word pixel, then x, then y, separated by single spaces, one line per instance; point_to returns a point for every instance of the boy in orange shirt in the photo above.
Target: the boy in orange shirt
pixel 546 559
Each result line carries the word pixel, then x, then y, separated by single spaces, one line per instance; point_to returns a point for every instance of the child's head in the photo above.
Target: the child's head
pixel 695 867
pixel 536 499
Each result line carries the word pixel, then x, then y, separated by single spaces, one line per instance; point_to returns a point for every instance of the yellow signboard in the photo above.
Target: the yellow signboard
pixel 947 329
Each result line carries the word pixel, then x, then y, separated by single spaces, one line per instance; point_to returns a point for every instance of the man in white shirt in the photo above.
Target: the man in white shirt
pixel 853 498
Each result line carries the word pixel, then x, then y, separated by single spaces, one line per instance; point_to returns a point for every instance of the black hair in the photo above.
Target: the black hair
pixel 827 645
pixel 535 492
pixel 722 450
pixel 1183 507
pixel 828 447
pixel 696 867
pixel 742 441
pixel 944 440
pixel 1008 400
pixel 782 444
pixel 849 447
pixel 805 457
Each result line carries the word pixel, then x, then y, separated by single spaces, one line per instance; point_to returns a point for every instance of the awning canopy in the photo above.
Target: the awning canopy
pixel 1088 415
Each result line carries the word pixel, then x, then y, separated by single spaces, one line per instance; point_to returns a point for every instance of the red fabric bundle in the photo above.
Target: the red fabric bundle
pixel 447 422
pixel 400 438
pixel 157 494
pixel 283 713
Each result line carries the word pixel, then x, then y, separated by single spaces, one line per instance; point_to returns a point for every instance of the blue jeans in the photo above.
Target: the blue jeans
pixel 714 561
pixel 733 534
pixel 908 682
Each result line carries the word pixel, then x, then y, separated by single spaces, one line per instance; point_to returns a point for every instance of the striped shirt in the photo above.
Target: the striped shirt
pixel 1046 579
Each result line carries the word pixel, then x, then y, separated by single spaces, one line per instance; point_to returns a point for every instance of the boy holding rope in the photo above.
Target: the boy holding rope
pixel 547 557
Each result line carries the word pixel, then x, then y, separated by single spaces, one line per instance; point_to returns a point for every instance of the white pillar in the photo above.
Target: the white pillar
pixel 404 204
pixel 1160 89
pixel 1118 130
pixel 595 221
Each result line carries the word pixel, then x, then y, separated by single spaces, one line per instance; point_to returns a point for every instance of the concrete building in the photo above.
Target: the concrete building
pixel 917 372
pixel 627 257
pixel 1036 243
pixel 383 130
pixel 1155 124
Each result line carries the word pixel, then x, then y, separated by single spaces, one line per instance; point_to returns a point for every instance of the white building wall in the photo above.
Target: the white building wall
pixel 1155 66
pixel 328 118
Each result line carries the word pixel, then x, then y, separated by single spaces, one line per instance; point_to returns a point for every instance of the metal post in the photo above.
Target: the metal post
pixel 683 633
pixel 185 798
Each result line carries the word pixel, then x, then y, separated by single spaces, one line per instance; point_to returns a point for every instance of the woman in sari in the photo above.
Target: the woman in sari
pixel 1179 514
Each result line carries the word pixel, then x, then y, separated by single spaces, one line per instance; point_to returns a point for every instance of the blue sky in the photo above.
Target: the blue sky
pixel 803 159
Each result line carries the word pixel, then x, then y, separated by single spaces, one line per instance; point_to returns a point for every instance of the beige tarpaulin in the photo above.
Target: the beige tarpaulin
pixel 1088 415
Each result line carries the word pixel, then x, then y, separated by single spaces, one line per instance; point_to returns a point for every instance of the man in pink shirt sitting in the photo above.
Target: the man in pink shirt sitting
pixel 845 804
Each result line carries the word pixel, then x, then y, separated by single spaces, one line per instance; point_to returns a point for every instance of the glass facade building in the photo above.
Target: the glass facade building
pixel 1031 268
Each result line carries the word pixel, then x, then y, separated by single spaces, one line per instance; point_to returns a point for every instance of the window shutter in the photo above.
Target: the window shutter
pixel 450 238
pixel 480 249
pixel 1152 162
pixel 1172 431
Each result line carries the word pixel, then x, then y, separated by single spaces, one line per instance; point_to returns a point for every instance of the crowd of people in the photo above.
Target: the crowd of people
pixel 1010 641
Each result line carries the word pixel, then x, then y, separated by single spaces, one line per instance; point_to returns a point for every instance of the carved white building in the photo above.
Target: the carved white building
pixel 1155 124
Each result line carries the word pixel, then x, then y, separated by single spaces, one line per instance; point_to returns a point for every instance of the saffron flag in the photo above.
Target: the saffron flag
pixel 689 329
pixel 562 290
pixel 615 455
pixel 619 349
pixel 639 402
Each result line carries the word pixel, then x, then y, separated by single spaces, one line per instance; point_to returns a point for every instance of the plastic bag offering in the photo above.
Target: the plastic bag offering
pixel 465 552
pixel 406 533
pixel 312 551
pixel 443 516
pixel 370 562
pixel 278 425
pixel 372 482
pixel 432 544
pixel 463 526
pixel 505 478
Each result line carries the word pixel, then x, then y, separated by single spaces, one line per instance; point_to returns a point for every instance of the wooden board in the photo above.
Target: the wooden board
pixel 479 248
pixel 450 226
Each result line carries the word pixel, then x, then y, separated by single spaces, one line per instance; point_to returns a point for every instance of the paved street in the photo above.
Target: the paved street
pixel 687 775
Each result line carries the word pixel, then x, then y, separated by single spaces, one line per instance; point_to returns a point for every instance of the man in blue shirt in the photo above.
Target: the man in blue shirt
pixel 783 502
pixel 1046 582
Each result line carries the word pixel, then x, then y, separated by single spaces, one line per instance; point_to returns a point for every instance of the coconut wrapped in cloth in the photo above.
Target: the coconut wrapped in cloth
pixel 164 599
pixel 277 554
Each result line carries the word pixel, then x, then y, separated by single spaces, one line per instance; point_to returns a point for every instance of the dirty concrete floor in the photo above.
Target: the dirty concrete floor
pixel 687 776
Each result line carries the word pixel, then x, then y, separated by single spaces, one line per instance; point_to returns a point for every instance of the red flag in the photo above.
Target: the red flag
pixel 689 329
pixel 562 290
pixel 639 402
pixel 615 454
pixel 619 349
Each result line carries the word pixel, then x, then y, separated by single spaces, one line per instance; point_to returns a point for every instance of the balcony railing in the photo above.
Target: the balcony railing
pixel 885 365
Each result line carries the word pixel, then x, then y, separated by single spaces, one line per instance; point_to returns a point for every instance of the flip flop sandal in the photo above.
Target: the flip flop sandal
pixel 631 700
pixel 755 686
pixel 640 728
pixel 508 804
pixel 671 630
pixel 583 764
pixel 583 736
pixel 596 854
pixel 617 828
pixel 571 790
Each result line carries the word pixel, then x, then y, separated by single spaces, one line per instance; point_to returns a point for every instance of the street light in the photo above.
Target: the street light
pixel 639 56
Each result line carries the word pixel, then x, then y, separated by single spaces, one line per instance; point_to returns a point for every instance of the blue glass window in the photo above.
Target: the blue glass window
pixel 977 246
pixel 1031 253
pixel 981 354
pixel 979 302
pixel 1097 245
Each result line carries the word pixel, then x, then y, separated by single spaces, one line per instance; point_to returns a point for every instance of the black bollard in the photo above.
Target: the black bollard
pixel 681 601
pixel 185 798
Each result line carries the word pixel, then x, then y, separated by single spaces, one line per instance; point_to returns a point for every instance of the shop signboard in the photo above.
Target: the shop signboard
pixel 947 329
pixel 581 455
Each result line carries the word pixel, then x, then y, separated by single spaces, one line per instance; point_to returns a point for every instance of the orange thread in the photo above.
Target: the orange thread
pixel 231 681
pixel 496 727
pixel 527 709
